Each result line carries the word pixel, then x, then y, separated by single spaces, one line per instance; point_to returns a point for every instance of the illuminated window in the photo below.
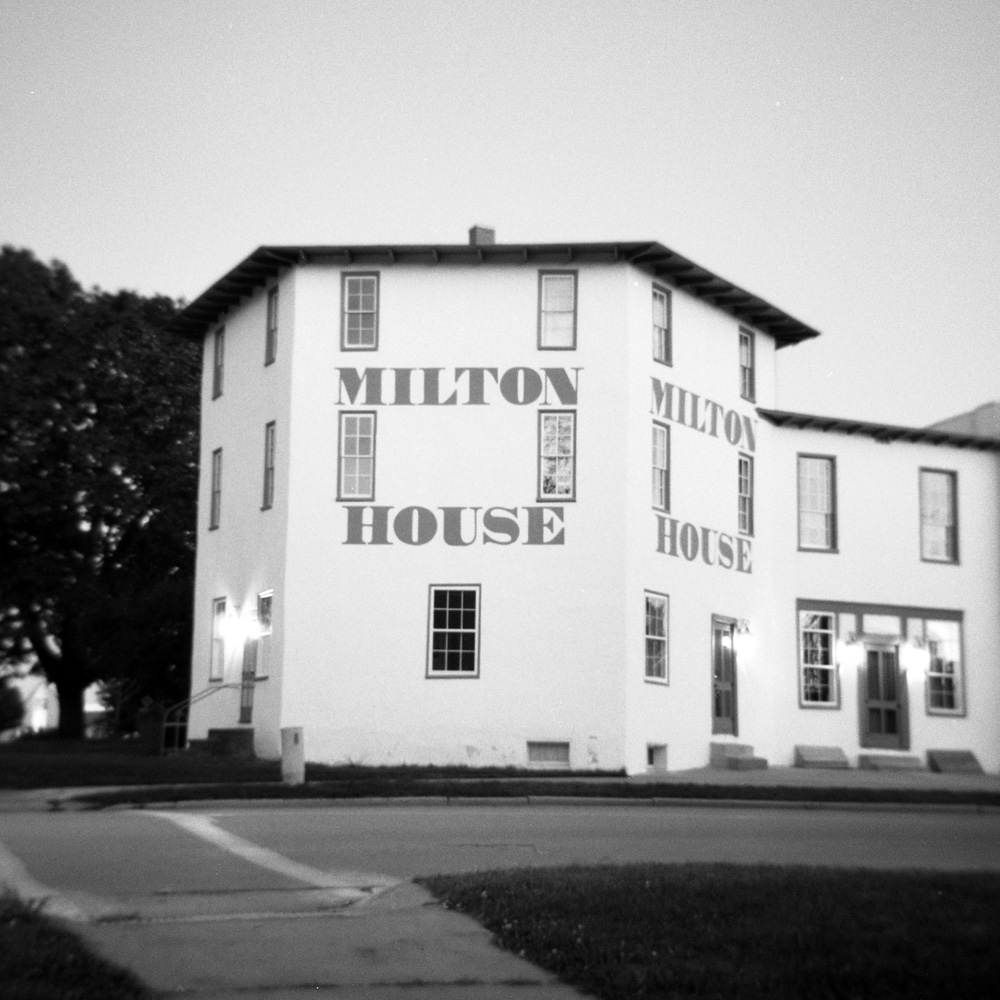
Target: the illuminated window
pixel 817 503
pixel 271 334
pixel 557 455
pixel 661 467
pixel 453 632
pixel 943 643
pixel 356 475
pixel 557 310
pixel 265 599
pixel 656 636
pixel 745 507
pixel 817 660
pixel 938 517
pixel 218 361
pixel 217 660
pixel 662 341
pixel 359 314
pixel 748 388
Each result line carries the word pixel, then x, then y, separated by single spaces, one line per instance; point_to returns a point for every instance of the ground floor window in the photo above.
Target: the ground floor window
pixel 942 645
pixel 817 658
pixel 217 661
pixel 453 631
pixel 656 636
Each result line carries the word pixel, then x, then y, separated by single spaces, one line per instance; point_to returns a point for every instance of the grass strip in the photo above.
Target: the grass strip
pixel 754 932
pixel 40 960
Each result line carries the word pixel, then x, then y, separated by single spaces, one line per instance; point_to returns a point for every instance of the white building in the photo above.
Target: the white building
pixel 506 504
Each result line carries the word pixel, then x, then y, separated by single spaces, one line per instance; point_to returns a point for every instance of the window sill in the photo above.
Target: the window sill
pixel 456 676
pixel 940 562
pixel 822 552
pixel 657 681
pixel 822 705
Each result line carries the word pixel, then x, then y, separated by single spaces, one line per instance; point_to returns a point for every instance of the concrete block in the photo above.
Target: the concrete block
pixel 746 764
pixel 720 753
pixel 889 762
pixel 954 762
pixel 827 758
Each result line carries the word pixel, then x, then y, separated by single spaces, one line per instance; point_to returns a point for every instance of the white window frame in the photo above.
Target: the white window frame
pixel 938 527
pixel 215 503
pixel 745 494
pixel 748 367
pixel 271 327
pixel 443 628
pixel 218 361
pixel 663 346
pixel 818 654
pixel 817 503
pixel 267 501
pixel 657 631
pixel 217 653
pixel 661 467
pixel 357 287
pixel 349 479
pixel 552 310
pixel 951 682
pixel 557 467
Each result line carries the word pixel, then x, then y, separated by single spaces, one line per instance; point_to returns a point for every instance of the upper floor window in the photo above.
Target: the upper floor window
pixel 748 387
pixel 356 460
pixel 271 333
pixel 662 342
pixel 745 506
pixel 661 467
pixel 656 636
pixel 817 503
pixel 938 516
pixel 557 310
pixel 268 500
pixel 359 313
pixel 215 508
pixel 557 454
pixel 218 361
pixel 453 632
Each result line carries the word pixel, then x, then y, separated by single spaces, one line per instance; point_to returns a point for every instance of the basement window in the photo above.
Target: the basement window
pixel 548 754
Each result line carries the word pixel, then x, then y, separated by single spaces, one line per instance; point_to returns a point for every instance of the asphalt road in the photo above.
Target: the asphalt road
pixel 131 854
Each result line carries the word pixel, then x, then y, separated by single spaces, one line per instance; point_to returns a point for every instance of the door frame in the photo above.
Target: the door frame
pixel 719 722
pixel 900 740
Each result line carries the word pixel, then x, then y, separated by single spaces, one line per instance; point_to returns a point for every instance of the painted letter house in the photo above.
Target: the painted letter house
pixel 534 504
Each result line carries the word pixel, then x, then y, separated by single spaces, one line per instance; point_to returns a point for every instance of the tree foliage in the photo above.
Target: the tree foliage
pixel 98 481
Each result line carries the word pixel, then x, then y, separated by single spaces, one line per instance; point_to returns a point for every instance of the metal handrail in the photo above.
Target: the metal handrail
pixel 181 708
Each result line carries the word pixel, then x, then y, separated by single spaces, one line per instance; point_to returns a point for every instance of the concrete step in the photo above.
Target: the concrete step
pixel 954 762
pixel 720 753
pixel 827 758
pixel 889 762
pixel 746 764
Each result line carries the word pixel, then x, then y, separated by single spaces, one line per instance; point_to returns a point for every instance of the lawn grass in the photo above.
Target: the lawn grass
pixel 39 960
pixel 726 931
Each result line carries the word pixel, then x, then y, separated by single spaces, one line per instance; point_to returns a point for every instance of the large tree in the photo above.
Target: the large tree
pixel 98 479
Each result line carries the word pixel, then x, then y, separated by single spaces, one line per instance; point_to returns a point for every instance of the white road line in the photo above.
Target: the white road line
pixel 206 828
pixel 15 878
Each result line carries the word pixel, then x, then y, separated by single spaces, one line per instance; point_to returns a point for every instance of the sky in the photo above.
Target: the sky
pixel 838 158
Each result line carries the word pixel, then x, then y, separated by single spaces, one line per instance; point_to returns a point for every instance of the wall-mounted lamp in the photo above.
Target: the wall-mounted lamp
pixel 743 627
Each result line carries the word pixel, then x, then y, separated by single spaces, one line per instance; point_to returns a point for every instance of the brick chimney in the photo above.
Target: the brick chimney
pixel 480 236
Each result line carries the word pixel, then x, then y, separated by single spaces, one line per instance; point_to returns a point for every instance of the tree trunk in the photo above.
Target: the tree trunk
pixel 70 687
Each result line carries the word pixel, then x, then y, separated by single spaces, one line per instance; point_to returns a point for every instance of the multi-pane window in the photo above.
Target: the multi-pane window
pixel 661 467
pixel 215 508
pixel 218 361
pixel 453 632
pixel 271 333
pixel 938 517
pixel 656 636
pixel 662 345
pixel 356 464
pixel 748 388
pixel 817 503
pixel 943 643
pixel 264 628
pixel 745 486
pixel 217 660
pixel 557 455
pixel 268 500
pixel 359 317
pixel 817 658
pixel 557 309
